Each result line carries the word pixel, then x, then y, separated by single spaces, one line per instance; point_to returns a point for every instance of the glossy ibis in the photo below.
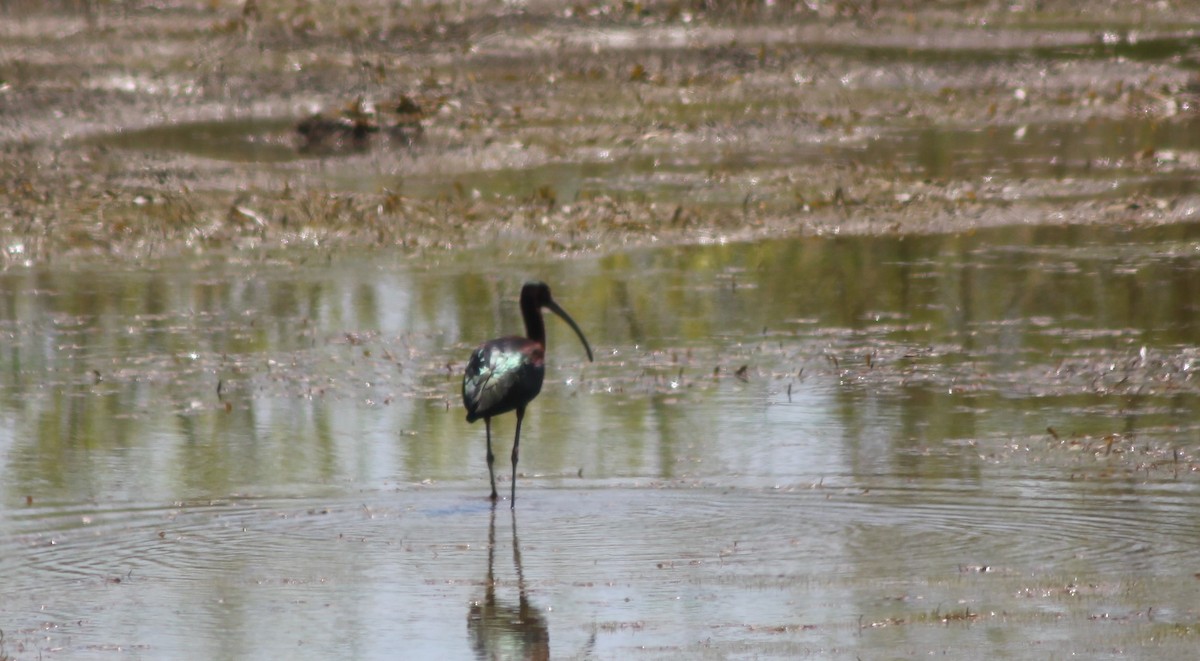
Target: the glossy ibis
pixel 505 374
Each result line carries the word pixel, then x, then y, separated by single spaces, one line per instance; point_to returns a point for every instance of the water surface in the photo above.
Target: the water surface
pixel 817 447
pixel 1096 158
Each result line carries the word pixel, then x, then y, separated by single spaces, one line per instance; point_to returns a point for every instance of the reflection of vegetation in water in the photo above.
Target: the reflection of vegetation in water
pixel 1094 149
pixel 248 141
pixel 212 378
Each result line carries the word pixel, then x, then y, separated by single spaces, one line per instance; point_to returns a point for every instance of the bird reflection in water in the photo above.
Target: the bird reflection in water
pixel 498 628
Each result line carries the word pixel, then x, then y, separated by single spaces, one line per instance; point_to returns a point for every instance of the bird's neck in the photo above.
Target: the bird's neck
pixel 535 326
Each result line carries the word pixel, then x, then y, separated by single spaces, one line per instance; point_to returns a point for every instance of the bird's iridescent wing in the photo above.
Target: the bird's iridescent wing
pixel 494 373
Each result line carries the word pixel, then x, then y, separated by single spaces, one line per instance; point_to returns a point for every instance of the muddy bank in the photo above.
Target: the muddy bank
pixel 143 130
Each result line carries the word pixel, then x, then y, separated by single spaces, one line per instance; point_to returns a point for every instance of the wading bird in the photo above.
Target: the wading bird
pixel 505 374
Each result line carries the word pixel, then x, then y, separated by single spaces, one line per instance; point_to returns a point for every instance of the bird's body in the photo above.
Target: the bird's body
pixel 502 375
pixel 506 374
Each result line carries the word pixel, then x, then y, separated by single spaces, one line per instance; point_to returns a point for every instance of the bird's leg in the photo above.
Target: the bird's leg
pixel 487 424
pixel 516 447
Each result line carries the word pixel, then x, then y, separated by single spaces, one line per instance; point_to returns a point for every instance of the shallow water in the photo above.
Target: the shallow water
pixel 1085 160
pixel 818 447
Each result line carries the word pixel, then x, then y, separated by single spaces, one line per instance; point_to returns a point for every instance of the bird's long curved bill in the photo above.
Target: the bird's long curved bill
pixel 553 307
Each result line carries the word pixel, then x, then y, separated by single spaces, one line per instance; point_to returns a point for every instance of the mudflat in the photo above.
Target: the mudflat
pixel 138 130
